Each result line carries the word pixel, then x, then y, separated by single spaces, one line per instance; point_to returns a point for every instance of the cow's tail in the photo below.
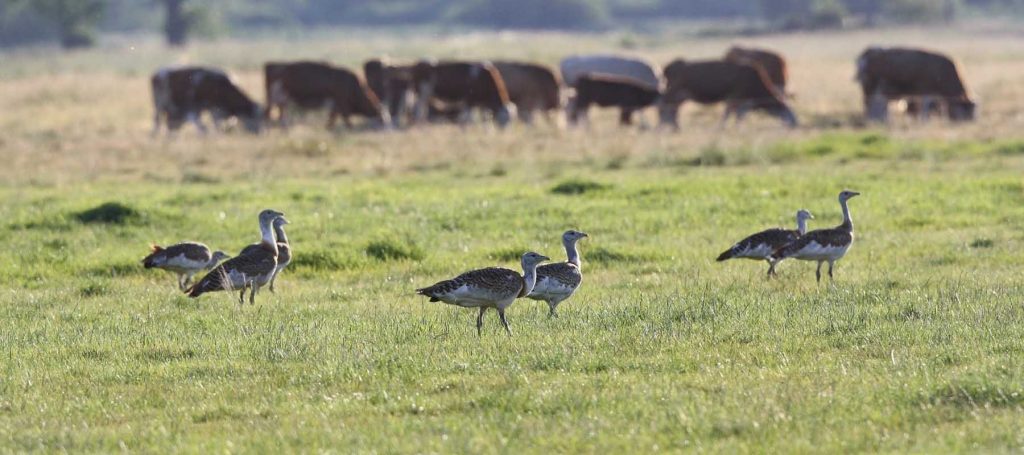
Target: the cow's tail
pixel 160 84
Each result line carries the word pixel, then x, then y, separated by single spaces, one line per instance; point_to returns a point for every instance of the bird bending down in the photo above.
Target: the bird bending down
pixel 183 259
pixel 284 250
pixel 251 269
pixel 823 244
pixel 557 282
pixel 492 287
pixel 761 245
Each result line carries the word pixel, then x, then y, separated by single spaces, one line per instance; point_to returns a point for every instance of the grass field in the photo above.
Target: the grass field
pixel 916 348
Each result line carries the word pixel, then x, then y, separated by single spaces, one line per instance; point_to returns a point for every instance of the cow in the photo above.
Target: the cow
pixel 741 87
pixel 313 85
pixel 628 94
pixel 772 63
pixel 393 85
pixel 531 88
pixel 181 94
pixel 924 78
pixel 641 72
pixel 463 85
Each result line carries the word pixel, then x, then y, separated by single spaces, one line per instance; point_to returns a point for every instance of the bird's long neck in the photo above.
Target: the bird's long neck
pixel 267 232
pixel 211 263
pixel 529 278
pixel 571 252
pixel 847 220
pixel 281 237
pixel 801 225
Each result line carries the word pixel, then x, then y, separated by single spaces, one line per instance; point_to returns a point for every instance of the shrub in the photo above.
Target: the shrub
pixel 392 249
pixel 109 213
pixel 576 186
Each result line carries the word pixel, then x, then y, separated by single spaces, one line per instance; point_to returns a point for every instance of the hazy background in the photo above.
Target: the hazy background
pixel 77 23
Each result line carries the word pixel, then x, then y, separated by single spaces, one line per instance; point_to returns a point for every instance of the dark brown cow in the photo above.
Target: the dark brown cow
pixel 531 88
pixel 181 94
pixel 772 63
pixel 464 85
pixel 628 94
pixel 741 87
pixel 313 85
pixel 923 77
pixel 393 85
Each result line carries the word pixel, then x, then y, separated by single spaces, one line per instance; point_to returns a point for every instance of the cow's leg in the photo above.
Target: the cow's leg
pixel 156 122
pixel 625 116
pixel 194 117
pixel 741 111
pixel 730 109
pixel 526 114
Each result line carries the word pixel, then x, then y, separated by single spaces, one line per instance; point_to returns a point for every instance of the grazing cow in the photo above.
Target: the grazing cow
pixel 639 71
pixel 628 94
pixel 925 78
pixel 181 94
pixel 772 63
pixel 531 88
pixel 393 85
pixel 463 85
pixel 312 85
pixel 741 87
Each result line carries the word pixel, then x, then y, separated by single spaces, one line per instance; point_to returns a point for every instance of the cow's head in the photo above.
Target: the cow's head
pixel 504 114
pixel 253 121
pixel 962 110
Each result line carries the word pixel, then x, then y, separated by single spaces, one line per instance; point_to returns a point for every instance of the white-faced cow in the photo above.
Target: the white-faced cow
pixel 315 85
pixel 531 88
pixel 183 94
pixel 393 85
pixel 461 86
pixel 923 78
pixel 742 87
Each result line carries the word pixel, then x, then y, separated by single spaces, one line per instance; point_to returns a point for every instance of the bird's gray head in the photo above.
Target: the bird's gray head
pixel 531 259
pixel 267 216
pixel 280 221
pixel 804 215
pixel 220 256
pixel 846 195
pixel 571 236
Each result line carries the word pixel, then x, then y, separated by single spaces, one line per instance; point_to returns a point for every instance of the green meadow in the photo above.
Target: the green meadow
pixel 916 347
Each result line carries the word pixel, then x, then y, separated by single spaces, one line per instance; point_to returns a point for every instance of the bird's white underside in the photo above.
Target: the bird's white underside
pixel 814 251
pixel 551 289
pixel 472 297
pixel 761 251
pixel 179 263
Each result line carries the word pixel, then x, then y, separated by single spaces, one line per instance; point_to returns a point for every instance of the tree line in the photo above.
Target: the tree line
pixel 76 23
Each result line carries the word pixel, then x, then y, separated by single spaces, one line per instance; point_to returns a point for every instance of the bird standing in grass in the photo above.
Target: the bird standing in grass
pixel 251 269
pixel 284 250
pixel 183 259
pixel 823 244
pixel 492 287
pixel 760 246
pixel 557 282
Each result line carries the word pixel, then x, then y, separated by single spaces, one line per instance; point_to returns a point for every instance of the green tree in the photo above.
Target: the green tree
pixel 76 20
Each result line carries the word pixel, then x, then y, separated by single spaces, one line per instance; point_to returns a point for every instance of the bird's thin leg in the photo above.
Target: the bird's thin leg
pixel 817 273
pixel 181 282
pixel 272 278
pixel 241 295
pixel 771 268
pixel 252 293
pixel 480 320
pixel 553 313
pixel 504 322
pixel 830 270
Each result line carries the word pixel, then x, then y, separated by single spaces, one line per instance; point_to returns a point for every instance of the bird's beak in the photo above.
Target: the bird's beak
pixel 545 258
pixel 284 220
pixel 810 216
pixel 855 193
pixel 584 234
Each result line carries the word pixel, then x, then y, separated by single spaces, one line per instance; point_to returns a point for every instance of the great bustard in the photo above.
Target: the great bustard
pixel 183 259
pixel 760 246
pixel 284 250
pixel 251 269
pixel 492 287
pixel 557 282
pixel 823 244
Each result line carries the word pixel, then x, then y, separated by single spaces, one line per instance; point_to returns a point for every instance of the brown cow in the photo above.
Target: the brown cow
pixel 181 94
pixel 628 94
pixel 312 85
pixel 772 63
pixel 464 85
pixel 531 88
pixel 741 87
pixel 393 85
pixel 925 78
